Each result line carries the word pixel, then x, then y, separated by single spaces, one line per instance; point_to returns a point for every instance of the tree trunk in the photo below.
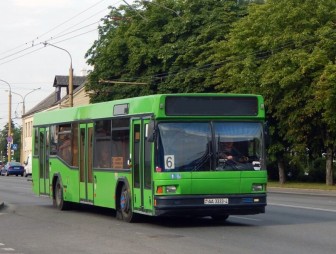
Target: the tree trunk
pixel 281 167
pixel 329 166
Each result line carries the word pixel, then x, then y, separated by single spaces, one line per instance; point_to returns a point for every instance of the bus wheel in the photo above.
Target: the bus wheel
pixel 58 196
pixel 221 217
pixel 126 213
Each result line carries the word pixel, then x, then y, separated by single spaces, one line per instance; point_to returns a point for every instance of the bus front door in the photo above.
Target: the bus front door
pixel 142 167
pixel 85 163
pixel 44 161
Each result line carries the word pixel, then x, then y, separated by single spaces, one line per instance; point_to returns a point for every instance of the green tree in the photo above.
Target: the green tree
pixel 285 50
pixel 3 143
pixel 16 138
pixel 166 44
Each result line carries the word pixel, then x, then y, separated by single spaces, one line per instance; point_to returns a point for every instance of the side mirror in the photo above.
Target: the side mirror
pixel 150 132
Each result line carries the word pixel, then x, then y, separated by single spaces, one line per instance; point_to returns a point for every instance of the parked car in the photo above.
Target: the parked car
pixel 12 168
pixel 28 166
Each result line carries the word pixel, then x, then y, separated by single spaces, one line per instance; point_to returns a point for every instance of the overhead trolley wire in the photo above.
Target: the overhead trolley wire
pixel 73 31
pixel 80 22
pixel 36 41
pixel 39 37
pixel 22 55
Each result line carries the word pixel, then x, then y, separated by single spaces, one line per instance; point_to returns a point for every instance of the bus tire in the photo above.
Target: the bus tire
pixel 58 199
pixel 125 211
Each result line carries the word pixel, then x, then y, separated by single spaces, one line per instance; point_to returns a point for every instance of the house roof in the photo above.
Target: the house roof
pixel 50 101
pixel 64 80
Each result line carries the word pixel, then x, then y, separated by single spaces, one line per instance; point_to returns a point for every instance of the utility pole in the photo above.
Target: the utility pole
pixel 23 125
pixel 9 137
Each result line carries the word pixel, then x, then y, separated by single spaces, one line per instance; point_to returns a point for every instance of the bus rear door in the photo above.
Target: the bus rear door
pixel 141 166
pixel 85 163
pixel 43 154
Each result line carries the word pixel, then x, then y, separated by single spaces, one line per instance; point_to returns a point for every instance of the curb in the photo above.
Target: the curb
pixel 314 192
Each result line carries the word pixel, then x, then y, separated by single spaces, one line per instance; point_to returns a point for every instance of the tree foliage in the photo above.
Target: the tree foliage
pixel 166 44
pixel 284 50
pixel 16 134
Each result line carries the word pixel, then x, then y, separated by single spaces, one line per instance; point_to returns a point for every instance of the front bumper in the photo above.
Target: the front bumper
pixel 195 205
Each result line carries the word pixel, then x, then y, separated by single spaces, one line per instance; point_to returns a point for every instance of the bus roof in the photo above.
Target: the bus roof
pixel 191 105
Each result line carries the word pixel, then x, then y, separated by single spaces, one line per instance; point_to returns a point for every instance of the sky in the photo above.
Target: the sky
pixel 26 64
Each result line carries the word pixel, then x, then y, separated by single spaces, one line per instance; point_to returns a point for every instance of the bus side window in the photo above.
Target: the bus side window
pixel 120 143
pixel 64 143
pixel 64 149
pixel 102 151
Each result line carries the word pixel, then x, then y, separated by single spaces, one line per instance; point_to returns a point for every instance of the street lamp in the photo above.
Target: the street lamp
pixel 24 98
pixel 23 112
pixel 9 137
pixel 70 72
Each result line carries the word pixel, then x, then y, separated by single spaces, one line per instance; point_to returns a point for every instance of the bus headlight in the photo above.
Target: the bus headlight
pixel 257 187
pixel 171 189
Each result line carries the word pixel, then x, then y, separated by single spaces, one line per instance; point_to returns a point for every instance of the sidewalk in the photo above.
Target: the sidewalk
pixel 315 192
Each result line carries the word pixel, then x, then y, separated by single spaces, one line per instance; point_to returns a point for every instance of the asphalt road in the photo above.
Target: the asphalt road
pixel 293 223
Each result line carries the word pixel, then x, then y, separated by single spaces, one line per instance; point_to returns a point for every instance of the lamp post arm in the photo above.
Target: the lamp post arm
pixel 46 44
pixel 19 95
pixel 24 100
pixel 70 72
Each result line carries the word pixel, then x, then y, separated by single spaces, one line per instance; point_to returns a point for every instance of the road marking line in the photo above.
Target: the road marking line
pixel 304 207
pixel 244 218
pixel 8 249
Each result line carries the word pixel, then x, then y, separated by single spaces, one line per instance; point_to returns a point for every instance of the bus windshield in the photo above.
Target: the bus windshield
pixel 210 146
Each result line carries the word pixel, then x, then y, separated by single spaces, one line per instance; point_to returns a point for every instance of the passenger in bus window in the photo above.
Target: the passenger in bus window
pixel 105 158
pixel 64 149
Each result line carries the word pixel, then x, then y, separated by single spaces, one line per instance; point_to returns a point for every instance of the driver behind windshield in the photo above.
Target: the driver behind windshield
pixel 229 151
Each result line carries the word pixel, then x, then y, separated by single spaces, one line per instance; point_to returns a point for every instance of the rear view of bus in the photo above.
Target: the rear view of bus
pixel 210 156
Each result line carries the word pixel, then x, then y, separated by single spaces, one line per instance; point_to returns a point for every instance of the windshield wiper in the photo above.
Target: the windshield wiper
pixel 202 161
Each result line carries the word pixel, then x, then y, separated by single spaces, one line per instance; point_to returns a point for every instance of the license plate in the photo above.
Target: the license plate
pixel 216 201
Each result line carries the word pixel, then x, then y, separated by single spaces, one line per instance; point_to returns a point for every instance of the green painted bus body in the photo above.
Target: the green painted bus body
pixel 194 184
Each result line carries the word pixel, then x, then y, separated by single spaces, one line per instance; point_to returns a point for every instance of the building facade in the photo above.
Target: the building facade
pixel 56 100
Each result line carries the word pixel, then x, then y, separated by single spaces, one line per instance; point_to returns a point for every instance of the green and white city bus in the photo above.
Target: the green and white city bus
pixel 157 155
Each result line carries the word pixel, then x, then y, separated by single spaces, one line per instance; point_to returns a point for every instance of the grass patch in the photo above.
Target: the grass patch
pixel 299 185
